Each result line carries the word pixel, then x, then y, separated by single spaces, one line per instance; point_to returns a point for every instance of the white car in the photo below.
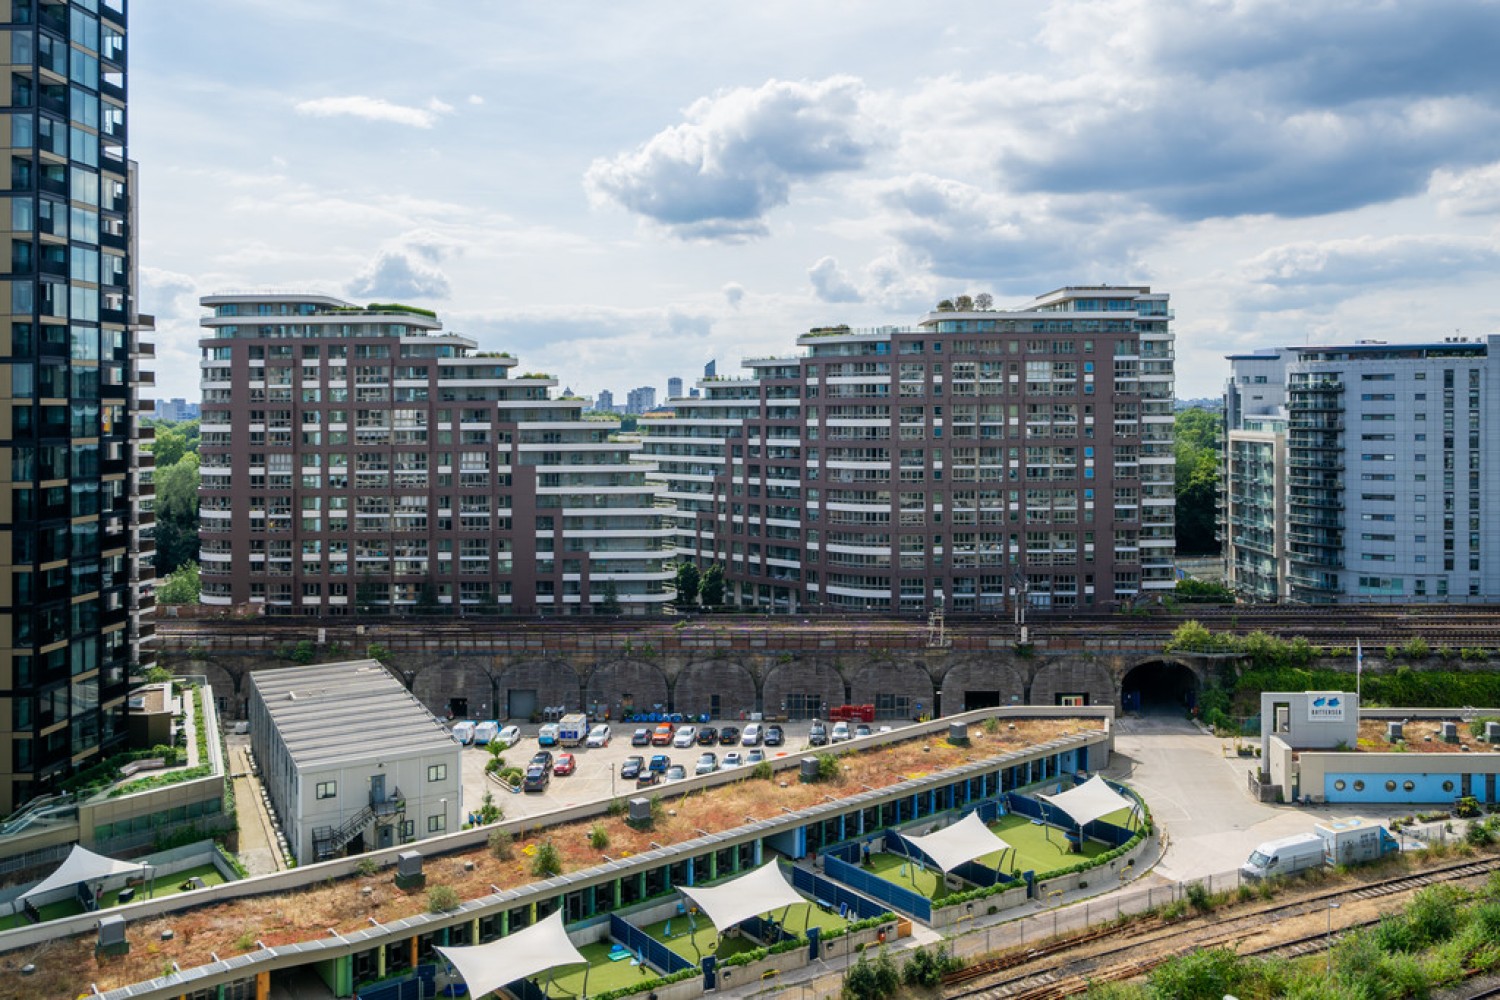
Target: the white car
pixel 508 736
pixel 685 737
pixel 598 737
pixel 733 759
pixel 840 732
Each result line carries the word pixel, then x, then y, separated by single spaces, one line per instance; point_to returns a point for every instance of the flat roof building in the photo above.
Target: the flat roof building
pixel 351 759
pixel 975 459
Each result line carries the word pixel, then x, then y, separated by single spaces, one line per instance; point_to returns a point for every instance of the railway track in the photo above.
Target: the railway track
pixel 1069 976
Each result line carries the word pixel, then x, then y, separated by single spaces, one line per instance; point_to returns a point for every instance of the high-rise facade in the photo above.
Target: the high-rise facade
pixel 75 519
pixel 1384 476
pixel 1252 480
pixel 363 459
pixel 674 387
pixel 960 463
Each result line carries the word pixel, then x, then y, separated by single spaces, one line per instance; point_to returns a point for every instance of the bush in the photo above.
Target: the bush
pixel 548 860
pixel 1470 653
pixel 875 980
pixel 763 771
pixel 441 899
pixel 1199 975
pixel 598 837
pixel 1199 896
pixel 829 767
pixel 1467 807
pixel 927 968
pixel 367 867
pixel 502 845
pixel 1416 648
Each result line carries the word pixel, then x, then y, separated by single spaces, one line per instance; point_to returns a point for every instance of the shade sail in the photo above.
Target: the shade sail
pixel 761 891
pixel 1087 802
pixel 488 967
pixel 83 865
pixel 963 841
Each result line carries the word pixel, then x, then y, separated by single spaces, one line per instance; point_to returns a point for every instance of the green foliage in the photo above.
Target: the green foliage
pixel 181 586
pixel 1404 686
pixel 1470 653
pixel 304 652
pixel 598 837
pixel 711 588
pixel 1466 807
pixel 502 845
pixel 867 980
pixel 367 867
pixel 829 767
pixel 1207 974
pixel 1203 591
pixel 376 651
pixel 400 307
pixel 609 598
pixel 1198 895
pixel 927 968
pixel 157 674
pixel 489 812
pixel 548 860
pixel 441 899
pixel 763 771
pixel 1416 648
pixel 1197 453
pixel 687 582
pixel 176 509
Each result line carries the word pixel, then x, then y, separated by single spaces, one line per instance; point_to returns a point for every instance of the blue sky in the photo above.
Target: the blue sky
pixel 618 193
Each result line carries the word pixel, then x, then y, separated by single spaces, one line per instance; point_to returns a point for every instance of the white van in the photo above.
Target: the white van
pixel 753 734
pixel 464 732
pixel 486 731
pixel 1285 856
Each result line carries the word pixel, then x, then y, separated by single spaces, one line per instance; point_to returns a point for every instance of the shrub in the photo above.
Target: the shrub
pixel 1467 807
pixel 548 860
pixel 868 980
pixel 502 845
pixel 441 899
pixel 367 867
pixel 1200 975
pixel 1199 896
pixel 763 771
pixel 927 968
pixel 1416 648
pixel 829 767
pixel 598 837
pixel 1470 653
pixel 488 811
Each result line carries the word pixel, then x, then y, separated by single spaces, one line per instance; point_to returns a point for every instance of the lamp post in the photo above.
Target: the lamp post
pixel 1331 908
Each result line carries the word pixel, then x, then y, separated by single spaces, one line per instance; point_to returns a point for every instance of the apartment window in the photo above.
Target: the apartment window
pixel 1378 377
pixel 327 789
pixel 437 772
pixel 437 824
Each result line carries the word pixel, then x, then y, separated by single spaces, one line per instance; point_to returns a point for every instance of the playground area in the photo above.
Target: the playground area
pixel 1038 848
pixel 166 885
pixel 679 935
pixel 604 973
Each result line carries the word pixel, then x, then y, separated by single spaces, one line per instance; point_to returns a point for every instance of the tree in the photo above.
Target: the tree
pixel 427 599
pixel 609 598
pixel 984 301
pixel 168 445
pixel 964 303
pixel 711 590
pixel 181 586
pixel 176 514
pixel 945 306
pixel 1197 455
pixel 689 580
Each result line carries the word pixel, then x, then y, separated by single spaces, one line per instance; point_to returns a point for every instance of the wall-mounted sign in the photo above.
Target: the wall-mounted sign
pixel 1325 706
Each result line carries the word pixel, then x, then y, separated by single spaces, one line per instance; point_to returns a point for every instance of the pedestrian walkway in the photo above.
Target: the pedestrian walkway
pixel 258 851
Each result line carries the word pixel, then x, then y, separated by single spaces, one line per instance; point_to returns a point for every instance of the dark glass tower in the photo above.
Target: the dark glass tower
pixel 75 536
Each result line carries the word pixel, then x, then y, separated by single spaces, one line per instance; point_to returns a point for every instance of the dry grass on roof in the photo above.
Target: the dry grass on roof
pixel 233 927
pixel 1419 736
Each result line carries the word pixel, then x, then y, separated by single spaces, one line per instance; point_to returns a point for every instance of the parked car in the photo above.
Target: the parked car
pixel 632 767
pixel 863 729
pixel 547 735
pixel 734 759
pixel 536 779
pixel 817 736
pixel 598 737
pixel 542 758
pixel 659 762
pixel 648 778
pixel 841 732
pixel 707 736
pixel 508 736
pixel 685 737
pixel 708 763
pixel 662 736
pixel 641 737
pixel 566 764
pixel 752 735
pixel 755 756
pixel 676 772
pixel 729 736
pixel 775 736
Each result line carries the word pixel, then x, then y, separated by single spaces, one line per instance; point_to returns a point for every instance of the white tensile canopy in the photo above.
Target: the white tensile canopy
pixel 963 841
pixel 83 865
pixel 1088 801
pixel 543 946
pixel 761 891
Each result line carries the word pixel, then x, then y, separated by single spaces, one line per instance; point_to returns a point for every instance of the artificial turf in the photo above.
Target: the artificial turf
pixel 167 885
pixel 602 973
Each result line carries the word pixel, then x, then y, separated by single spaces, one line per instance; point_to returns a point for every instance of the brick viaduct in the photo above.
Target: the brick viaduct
pixel 706 669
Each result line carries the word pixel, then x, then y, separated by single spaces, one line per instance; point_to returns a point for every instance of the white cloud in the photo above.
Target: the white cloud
pixel 374 109
pixel 830 283
pixel 475 99
pixel 736 156
pixel 399 276
pixel 1467 192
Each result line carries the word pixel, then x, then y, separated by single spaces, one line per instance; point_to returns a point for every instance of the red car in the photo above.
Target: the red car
pixel 566 764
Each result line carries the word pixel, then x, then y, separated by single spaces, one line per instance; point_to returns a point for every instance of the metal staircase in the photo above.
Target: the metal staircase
pixel 329 841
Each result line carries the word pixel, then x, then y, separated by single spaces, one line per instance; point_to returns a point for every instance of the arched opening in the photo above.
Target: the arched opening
pixel 1159 687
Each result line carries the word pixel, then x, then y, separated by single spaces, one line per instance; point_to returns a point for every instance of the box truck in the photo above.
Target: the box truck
pixel 572 729
pixel 1355 840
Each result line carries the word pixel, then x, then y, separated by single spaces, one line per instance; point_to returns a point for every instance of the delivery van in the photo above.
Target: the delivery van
pixel 464 732
pixel 1286 856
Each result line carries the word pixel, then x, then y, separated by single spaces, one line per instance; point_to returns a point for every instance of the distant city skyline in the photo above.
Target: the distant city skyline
pixel 634 213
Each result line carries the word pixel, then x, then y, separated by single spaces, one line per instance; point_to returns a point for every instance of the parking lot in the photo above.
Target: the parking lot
pixel 597 774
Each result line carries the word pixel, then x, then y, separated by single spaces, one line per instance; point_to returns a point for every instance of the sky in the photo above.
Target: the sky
pixel 619 193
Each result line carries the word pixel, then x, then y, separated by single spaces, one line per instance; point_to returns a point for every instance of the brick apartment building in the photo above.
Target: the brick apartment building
pixel 977 456
pixel 362 458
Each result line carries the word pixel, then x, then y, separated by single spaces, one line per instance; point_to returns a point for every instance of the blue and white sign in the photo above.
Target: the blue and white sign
pixel 1325 706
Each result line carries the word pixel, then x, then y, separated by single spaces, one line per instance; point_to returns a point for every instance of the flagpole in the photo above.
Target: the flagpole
pixel 1359 671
